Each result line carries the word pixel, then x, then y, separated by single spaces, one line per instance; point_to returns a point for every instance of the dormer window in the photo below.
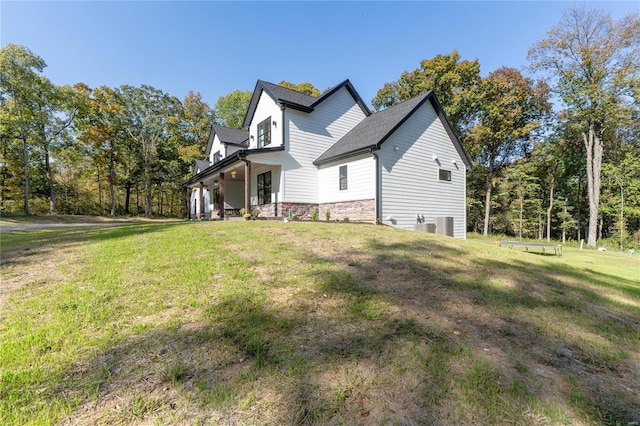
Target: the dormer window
pixel 264 133
pixel 217 157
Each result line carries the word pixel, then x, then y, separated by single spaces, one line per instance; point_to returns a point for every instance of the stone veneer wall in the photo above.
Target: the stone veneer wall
pixel 359 210
pixel 362 210
pixel 302 211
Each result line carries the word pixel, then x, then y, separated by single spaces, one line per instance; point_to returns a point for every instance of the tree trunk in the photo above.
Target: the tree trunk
pixel 25 158
pixel 578 215
pixel 593 145
pixel 549 210
pixel 3 176
pixel 99 190
pixel 540 226
pixel 127 196
pixel 49 173
pixel 621 218
pixel 600 227
pixel 564 224
pixel 112 192
pixel 148 196
pixel 487 200
pixel 521 213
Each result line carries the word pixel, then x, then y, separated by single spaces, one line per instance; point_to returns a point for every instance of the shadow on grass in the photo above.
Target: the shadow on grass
pixel 596 383
pixel 392 332
pixel 22 246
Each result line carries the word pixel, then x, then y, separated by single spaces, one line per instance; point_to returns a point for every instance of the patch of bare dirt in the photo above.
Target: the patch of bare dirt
pixel 35 267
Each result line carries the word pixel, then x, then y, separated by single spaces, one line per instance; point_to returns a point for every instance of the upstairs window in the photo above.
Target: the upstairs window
pixel 343 178
pixel 264 188
pixel 217 157
pixel 444 175
pixel 264 133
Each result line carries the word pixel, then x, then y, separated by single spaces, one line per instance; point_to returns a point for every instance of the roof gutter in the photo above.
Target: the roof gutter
pixel 364 150
pixel 237 156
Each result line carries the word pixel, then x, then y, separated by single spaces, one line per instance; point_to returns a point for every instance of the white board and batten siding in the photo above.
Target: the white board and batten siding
pixel 361 182
pixel 215 147
pixel 195 201
pixel 266 108
pixel 229 150
pixel 311 134
pixel 410 184
pixel 224 149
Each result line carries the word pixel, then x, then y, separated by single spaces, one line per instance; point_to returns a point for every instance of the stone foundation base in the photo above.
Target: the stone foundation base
pixel 359 210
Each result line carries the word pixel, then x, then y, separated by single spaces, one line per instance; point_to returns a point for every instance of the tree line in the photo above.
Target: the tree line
pixel 572 171
pixel 556 147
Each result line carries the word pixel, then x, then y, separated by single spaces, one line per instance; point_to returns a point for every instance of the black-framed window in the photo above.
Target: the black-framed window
pixel 264 133
pixel 343 178
pixel 217 157
pixel 264 188
pixel 444 175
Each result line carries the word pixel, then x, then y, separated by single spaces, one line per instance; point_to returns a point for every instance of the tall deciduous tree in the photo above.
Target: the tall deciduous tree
pixel 192 129
pixel 306 87
pixel 510 108
pixel 453 81
pixel 231 108
pixel 595 65
pixel 521 188
pixel 19 78
pixel 57 107
pixel 102 128
pixel 148 111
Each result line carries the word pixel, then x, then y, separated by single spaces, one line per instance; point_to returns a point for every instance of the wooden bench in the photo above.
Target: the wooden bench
pixel 557 248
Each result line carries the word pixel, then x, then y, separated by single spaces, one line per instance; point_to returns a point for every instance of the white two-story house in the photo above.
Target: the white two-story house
pixel 300 153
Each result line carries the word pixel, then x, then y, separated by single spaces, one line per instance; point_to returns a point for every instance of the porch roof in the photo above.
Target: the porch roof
pixel 235 158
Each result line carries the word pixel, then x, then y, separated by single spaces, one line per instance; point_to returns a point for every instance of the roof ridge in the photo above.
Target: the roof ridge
pixel 288 88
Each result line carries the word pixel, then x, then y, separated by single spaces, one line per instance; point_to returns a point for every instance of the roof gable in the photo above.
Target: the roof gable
pixel 297 100
pixel 199 166
pixel 352 91
pixel 227 135
pixel 371 132
pixel 280 95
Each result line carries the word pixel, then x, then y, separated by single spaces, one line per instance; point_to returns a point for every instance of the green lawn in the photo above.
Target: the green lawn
pixel 269 323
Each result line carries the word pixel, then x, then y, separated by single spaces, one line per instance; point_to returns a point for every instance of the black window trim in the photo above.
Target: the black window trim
pixel 264 191
pixel 448 175
pixel 343 178
pixel 264 139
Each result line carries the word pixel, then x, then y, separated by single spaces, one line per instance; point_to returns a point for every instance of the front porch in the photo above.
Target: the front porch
pixel 223 193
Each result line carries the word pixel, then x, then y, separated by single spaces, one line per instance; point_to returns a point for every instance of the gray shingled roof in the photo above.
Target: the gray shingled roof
pixel 373 130
pixel 288 95
pixel 227 135
pixel 297 100
pixel 278 94
pixel 200 165
pixel 231 136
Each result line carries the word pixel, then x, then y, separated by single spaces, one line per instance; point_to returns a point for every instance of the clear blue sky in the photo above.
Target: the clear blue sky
pixel 216 47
